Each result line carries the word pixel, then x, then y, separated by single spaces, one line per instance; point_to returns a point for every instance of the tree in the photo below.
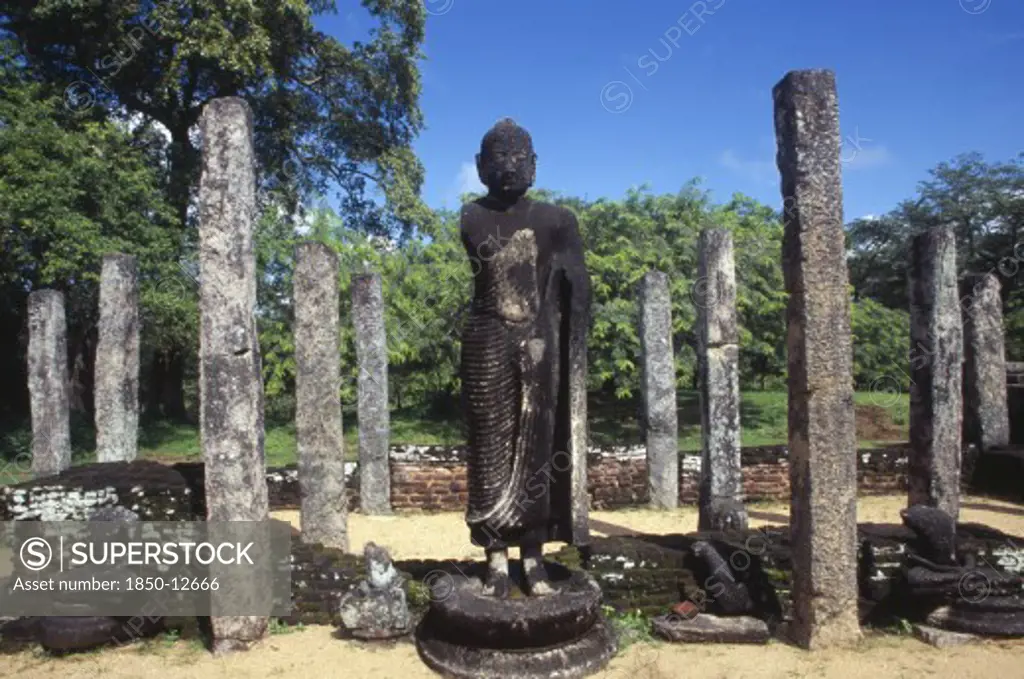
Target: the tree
pixel 71 190
pixel 326 116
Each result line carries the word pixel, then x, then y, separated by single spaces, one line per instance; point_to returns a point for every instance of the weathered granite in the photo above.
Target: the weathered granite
pixel 936 531
pixel 708 628
pixel 986 418
pixel 467 633
pixel 658 387
pixel 230 380
pixel 318 428
pixel 376 608
pixel 117 361
pixel 940 638
pixel 936 357
pixel 48 383
pixel 374 415
pixel 822 437
pixel 718 379
pixel 154 491
pixel 731 597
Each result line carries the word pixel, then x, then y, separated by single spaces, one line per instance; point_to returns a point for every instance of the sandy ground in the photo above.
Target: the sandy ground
pixel 315 652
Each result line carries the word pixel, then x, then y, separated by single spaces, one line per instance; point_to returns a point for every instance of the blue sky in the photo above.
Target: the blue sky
pixel 618 94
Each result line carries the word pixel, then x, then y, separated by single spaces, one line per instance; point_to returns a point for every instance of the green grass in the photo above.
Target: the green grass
pixel 763 416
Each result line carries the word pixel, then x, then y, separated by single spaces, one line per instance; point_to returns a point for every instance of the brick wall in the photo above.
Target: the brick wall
pixel 433 478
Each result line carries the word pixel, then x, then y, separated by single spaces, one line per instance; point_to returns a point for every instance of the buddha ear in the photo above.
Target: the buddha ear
pixel 479 167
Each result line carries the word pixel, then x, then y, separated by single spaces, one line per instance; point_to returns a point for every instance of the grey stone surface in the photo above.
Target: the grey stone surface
pixel 117 361
pixel 986 417
pixel 376 608
pixel 230 383
pixel 940 638
pixel 48 383
pixel 318 426
pixel 374 416
pixel 822 438
pixel 936 358
pixel 718 379
pixel 708 628
pixel 658 387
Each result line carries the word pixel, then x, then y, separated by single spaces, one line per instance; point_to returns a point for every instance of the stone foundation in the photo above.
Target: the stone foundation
pixel 433 478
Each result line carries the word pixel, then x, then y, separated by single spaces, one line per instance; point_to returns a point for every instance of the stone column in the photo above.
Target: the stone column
pixel 321 448
pixel 117 361
pixel 721 488
pixel 658 386
pixel 986 418
pixel 936 365
pixel 48 383
pixel 374 417
pixel 822 438
pixel 230 383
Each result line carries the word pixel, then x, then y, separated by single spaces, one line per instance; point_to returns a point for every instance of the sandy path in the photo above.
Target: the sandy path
pixel 314 652
pixel 445 536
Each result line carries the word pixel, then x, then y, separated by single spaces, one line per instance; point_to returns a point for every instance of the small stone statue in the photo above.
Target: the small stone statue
pixel 522 348
pixel 376 608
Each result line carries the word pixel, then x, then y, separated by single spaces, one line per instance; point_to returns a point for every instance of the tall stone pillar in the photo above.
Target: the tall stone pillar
pixel 658 385
pixel 117 361
pixel 721 488
pixel 986 417
pixel 321 448
pixel 374 416
pixel 822 438
pixel 48 383
pixel 230 381
pixel 936 365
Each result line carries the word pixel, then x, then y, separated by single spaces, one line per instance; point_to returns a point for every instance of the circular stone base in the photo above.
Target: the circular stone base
pixel 578 658
pixel 462 614
pixel 563 634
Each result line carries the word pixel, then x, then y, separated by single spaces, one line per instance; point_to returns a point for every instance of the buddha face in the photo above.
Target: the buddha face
pixel 506 163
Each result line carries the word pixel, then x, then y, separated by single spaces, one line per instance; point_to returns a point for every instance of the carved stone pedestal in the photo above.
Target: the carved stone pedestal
pixel 468 635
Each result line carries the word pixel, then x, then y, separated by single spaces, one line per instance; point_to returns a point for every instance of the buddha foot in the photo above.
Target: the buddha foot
pixel 537 582
pixel 497 584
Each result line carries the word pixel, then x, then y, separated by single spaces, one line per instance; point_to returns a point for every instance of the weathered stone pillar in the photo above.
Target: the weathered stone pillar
pixel 936 365
pixel 822 438
pixel 230 383
pixel 658 386
pixel 374 417
pixel 986 418
pixel 321 448
pixel 48 382
pixel 721 488
pixel 117 361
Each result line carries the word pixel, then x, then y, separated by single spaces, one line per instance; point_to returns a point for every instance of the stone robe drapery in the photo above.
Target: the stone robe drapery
pixel 524 375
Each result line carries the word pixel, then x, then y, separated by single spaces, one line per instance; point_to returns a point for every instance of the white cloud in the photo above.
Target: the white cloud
pixel 865 157
pixel 760 171
pixel 465 181
pixel 468 181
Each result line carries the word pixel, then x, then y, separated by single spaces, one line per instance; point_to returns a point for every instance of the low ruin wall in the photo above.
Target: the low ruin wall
pixel 433 478
pixel 427 478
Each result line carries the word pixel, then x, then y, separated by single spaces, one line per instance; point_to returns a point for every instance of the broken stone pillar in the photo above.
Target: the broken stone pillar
pixel 374 417
pixel 936 364
pixel 117 361
pixel 658 386
pixel 986 417
pixel 321 449
pixel 822 438
pixel 230 383
pixel 48 383
pixel 718 360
